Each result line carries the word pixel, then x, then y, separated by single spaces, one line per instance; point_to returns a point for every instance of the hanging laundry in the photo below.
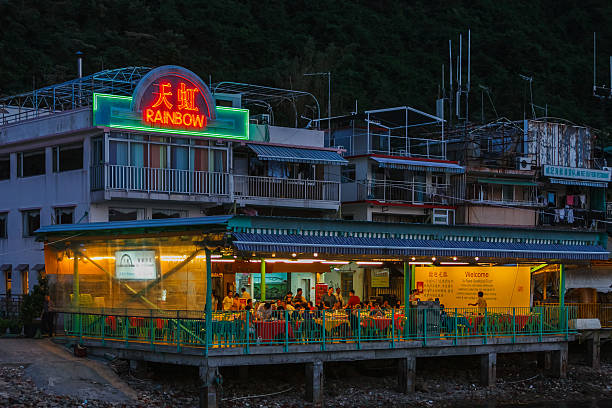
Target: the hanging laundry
pixel 570 216
pixel 557 215
pixel 569 200
pixel 551 198
pixel 562 214
pixel 582 201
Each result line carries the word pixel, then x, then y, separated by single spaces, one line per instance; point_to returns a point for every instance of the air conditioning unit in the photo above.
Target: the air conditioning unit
pixel 261 119
pixel 608 169
pixel 523 163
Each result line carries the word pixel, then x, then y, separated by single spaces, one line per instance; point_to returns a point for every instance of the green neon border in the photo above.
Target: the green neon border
pixel 172 131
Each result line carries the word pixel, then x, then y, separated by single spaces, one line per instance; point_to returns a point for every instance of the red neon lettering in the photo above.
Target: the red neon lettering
pixel 186 98
pixel 163 96
pixel 180 116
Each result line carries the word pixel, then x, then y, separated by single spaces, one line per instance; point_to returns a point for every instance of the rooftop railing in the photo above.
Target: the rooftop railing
pixel 242 329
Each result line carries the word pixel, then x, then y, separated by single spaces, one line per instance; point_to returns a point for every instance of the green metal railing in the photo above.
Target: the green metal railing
pixel 242 329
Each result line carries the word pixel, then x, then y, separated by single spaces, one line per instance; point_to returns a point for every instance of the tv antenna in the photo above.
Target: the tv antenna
pixel 602 91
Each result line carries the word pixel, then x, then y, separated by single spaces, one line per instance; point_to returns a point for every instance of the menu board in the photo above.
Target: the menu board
pixel 502 286
pixel 379 278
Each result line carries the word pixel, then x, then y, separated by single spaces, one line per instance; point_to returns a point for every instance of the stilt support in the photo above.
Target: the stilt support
pixel 488 369
pixel 406 374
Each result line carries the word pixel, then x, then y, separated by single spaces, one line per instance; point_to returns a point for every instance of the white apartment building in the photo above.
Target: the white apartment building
pixel 85 151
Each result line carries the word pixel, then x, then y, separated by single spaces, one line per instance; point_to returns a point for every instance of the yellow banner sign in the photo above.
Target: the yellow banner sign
pixel 503 286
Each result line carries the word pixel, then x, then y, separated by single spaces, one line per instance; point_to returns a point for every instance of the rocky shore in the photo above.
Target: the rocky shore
pixel 446 382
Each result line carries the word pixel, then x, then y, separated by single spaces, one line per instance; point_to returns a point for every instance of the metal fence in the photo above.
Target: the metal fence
pixel 406 192
pixel 296 189
pixel 10 306
pixel 244 329
pixel 158 180
pixel 601 311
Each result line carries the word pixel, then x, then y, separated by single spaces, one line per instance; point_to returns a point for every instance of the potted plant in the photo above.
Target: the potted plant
pixel 32 307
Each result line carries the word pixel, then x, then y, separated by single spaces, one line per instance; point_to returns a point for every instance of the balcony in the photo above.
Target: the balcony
pixel 276 191
pixel 405 192
pixel 130 182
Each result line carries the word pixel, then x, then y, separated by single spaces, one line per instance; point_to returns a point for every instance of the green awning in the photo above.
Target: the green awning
pixel 509 182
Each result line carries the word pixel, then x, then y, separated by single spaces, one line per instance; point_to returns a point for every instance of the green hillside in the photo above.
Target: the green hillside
pixel 381 53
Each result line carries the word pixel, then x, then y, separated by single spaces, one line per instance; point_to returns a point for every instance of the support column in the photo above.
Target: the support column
pixel 592 351
pixel 262 270
pixel 407 278
pixel 209 393
pixel 558 363
pixel 561 287
pixel 406 374
pixel 488 369
pixel 76 291
pixel 544 359
pixel 314 383
pixel 208 306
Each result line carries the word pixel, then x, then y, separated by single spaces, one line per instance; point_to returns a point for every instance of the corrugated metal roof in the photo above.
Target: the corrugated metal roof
pixel 410 247
pixel 585 183
pixel 136 224
pixel 396 163
pixel 297 155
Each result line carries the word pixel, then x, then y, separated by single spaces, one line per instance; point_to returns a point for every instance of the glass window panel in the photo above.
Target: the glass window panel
pixel 31 222
pixel 3 225
pixel 31 163
pixel 118 153
pixel 5 167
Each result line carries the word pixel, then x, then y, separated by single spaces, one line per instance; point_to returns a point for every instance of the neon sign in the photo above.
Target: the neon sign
pixel 173 101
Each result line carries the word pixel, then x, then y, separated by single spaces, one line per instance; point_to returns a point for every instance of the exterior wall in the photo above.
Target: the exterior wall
pixel 297 282
pixel 560 144
pixel 484 215
pixel 288 136
pixel 43 192
pixel 333 278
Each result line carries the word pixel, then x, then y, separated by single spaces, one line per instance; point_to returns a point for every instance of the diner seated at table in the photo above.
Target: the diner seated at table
pixel 249 305
pixel 376 311
pixel 236 306
pixel 288 297
pixel 386 305
pixel 264 312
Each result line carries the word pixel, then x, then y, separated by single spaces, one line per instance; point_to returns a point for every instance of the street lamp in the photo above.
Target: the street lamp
pixel 328 94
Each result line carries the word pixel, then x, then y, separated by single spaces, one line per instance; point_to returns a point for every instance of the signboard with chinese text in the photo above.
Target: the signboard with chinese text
pixel 576 173
pixel 379 278
pixel 457 286
pixel 135 265
pixel 171 99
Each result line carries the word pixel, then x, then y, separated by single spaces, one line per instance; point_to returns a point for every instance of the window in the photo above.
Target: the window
pixel 162 214
pixel 8 280
pixel 5 167
pixel 97 151
pixel 31 163
pixel 346 284
pixel 68 157
pixel 125 214
pixel 64 215
pixel 31 222
pixel 507 193
pixel 3 225
pixel 25 284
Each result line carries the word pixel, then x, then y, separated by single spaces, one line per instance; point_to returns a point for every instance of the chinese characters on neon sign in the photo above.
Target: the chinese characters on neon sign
pixel 175 103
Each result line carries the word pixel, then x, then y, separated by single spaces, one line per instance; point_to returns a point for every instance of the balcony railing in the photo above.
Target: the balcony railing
pixel 580 218
pixel 156 180
pixel 406 192
pixel 254 187
pixel 174 181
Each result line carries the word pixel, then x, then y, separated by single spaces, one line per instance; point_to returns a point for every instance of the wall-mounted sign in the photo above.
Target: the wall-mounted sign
pixel 380 278
pixel 576 173
pixel 135 265
pixel 457 286
pixel 171 99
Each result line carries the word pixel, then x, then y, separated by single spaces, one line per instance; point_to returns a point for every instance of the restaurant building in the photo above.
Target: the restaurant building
pixel 136 144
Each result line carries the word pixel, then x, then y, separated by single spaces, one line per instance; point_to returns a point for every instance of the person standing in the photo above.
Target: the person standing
pixel 353 300
pixel 339 297
pixel 245 294
pixel 228 301
pixel 299 299
pixel 480 302
pixel 329 300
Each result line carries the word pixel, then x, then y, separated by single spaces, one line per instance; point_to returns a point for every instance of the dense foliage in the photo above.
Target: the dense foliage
pixel 382 53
